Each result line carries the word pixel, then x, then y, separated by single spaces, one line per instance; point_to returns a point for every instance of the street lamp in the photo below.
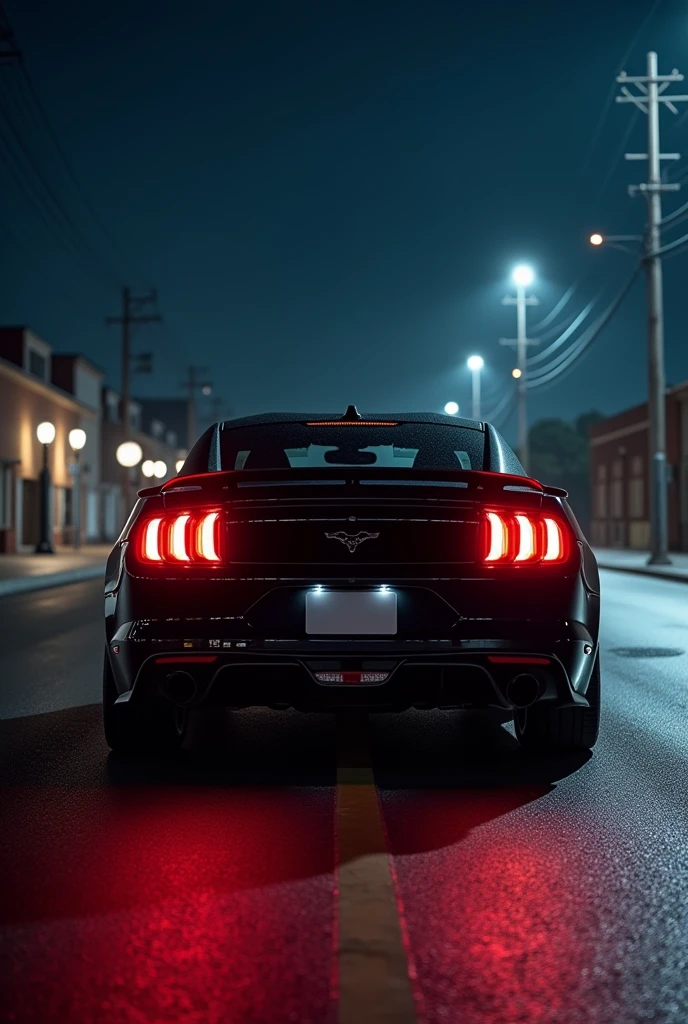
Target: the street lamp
pixel 475 365
pixel 522 276
pixel 148 468
pixel 179 465
pixel 612 241
pixel 159 469
pixel 452 408
pixel 45 432
pixel 129 454
pixel 516 373
pixel 77 440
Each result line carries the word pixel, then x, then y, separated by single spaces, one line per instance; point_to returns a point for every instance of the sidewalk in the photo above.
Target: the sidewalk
pixel 636 561
pixel 21 573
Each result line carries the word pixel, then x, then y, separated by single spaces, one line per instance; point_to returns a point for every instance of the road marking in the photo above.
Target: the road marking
pixel 374 984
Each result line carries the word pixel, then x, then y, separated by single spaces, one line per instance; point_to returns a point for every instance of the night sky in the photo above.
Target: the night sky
pixel 329 197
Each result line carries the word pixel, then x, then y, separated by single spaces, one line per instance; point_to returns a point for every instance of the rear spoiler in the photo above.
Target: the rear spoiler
pixel 227 484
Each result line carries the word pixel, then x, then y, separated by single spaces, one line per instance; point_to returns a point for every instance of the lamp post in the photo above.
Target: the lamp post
pixel 77 440
pixel 45 432
pixel 452 408
pixel 475 365
pixel 522 276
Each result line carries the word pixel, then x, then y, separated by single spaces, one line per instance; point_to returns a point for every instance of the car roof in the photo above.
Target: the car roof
pixel 332 418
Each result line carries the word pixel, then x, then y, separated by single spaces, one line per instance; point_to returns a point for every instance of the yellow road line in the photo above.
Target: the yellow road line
pixel 374 985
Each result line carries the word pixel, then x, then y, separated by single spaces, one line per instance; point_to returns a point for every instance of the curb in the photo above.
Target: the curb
pixel 55 579
pixel 678 577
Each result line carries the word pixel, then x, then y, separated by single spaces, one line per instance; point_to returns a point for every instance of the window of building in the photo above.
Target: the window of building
pixel 636 490
pixel 38 364
pixel 157 428
pixel 134 418
pixel 602 472
pixel 601 499
pixel 617 469
pixel 5 495
pixel 171 439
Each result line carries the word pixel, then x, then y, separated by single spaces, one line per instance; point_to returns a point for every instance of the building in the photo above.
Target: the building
pixel 32 390
pixel 620 475
pixel 39 385
pixel 158 444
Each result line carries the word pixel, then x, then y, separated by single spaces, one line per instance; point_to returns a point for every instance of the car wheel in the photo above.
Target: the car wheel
pixel 156 726
pixel 545 728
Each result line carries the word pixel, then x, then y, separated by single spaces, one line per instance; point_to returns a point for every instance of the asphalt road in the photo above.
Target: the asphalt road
pixel 244 882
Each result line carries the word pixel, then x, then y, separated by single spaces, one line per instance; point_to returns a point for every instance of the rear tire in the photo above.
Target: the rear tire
pixel 541 728
pixel 152 727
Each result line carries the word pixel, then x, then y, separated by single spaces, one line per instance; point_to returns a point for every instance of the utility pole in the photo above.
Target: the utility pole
pixel 522 277
pixel 132 307
pixel 650 93
pixel 192 385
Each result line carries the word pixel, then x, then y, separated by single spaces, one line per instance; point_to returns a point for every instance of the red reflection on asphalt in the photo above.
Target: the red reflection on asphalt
pixel 489 905
pixel 151 904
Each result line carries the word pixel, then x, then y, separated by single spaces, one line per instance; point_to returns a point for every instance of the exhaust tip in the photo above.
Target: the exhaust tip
pixel 180 688
pixel 523 690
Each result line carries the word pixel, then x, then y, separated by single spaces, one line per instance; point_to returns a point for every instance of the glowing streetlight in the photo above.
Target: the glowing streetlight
pixel 596 239
pixel 129 454
pixel 148 468
pixel 179 465
pixel 452 408
pixel 77 440
pixel 45 432
pixel 516 372
pixel 523 275
pixel 159 469
pixel 475 365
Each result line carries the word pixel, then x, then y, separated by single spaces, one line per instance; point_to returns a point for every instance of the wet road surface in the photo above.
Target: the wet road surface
pixel 247 881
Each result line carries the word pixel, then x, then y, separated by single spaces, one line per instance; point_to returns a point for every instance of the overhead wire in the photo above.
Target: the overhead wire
pixel 566 361
pixel 564 336
pixel 557 309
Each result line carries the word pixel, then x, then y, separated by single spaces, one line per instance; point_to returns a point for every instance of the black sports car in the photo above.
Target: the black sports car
pixel 321 562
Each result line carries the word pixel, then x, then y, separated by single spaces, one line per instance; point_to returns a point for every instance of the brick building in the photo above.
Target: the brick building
pixel 620 475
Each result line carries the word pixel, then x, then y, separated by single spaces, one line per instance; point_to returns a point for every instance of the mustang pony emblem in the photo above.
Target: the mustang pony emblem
pixel 351 540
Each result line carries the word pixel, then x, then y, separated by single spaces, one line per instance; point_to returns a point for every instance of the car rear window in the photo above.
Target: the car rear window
pixel 400 446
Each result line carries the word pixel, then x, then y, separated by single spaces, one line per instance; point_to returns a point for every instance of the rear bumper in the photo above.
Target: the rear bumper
pixel 422 674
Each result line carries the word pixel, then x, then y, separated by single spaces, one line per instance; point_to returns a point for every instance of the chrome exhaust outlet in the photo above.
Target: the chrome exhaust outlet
pixel 523 690
pixel 180 688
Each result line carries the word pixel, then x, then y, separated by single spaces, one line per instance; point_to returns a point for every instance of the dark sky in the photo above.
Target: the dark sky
pixel 329 197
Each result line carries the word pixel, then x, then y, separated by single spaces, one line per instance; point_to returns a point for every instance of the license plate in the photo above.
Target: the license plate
pixel 351 613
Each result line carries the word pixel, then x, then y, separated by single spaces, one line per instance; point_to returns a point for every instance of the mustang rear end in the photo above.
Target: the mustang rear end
pixel 321 587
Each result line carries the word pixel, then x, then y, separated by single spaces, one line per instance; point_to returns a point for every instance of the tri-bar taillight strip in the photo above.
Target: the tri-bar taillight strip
pixel 181 539
pixel 524 539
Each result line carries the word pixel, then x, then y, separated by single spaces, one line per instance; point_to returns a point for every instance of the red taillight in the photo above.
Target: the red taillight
pixel 523 539
pixel 183 539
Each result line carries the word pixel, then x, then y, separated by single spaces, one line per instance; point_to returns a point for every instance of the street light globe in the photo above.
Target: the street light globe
pixel 148 468
pixel 475 363
pixel 596 239
pixel 179 465
pixel 129 454
pixel 159 469
pixel 451 408
pixel 517 373
pixel 45 432
pixel 77 439
pixel 523 275
pixel 207 389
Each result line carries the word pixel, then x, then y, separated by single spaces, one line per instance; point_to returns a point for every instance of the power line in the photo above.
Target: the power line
pixel 565 362
pixel 555 312
pixel 564 336
pixel 53 197
pixel 610 95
